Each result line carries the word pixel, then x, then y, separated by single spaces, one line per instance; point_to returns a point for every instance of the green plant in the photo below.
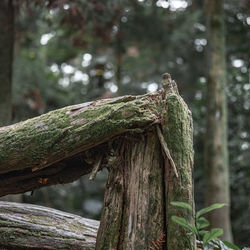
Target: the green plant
pixel 209 239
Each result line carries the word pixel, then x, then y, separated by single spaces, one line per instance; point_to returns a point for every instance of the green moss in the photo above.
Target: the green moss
pixel 178 135
pixel 39 141
pixel 177 131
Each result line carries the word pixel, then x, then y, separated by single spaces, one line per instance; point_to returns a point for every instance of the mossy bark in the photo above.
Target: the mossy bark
pixel 25 226
pixel 44 140
pixel 178 133
pixel 216 148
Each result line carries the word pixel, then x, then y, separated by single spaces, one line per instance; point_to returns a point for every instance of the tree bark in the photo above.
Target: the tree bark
pixel 6 48
pixel 133 214
pixel 25 226
pixel 216 160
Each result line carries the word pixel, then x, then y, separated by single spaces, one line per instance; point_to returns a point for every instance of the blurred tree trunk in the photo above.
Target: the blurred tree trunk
pixel 119 53
pixel 217 163
pixel 6 47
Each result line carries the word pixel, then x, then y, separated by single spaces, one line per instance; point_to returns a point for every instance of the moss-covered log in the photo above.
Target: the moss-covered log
pixel 64 144
pixel 25 226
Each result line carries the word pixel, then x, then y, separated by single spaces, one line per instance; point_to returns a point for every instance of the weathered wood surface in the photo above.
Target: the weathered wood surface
pixel 26 226
pixel 54 148
pixel 133 215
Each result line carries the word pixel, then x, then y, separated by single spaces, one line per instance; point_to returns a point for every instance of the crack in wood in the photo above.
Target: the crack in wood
pixel 166 150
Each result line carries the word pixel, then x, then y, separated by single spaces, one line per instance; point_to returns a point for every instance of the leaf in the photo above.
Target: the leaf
pixel 183 223
pixel 202 232
pixel 202 223
pixel 215 232
pixel 231 245
pixel 181 204
pixel 210 208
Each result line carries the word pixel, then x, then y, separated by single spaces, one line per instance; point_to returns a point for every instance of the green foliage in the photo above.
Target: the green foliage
pixel 210 238
pixel 210 208
pixel 183 222
pixel 213 234
pixel 201 223
pixel 182 204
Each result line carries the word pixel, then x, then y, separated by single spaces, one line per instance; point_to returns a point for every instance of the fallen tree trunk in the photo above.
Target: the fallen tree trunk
pixel 26 226
pixel 44 140
pixel 55 148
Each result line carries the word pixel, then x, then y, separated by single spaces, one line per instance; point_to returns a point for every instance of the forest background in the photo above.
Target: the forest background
pixel 68 52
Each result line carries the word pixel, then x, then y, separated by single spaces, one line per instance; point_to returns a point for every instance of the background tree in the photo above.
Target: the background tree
pixel 216 160
pixel 6 47
pixel 58 49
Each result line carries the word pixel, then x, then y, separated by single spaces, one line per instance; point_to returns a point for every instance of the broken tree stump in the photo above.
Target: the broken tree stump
pixel 154 168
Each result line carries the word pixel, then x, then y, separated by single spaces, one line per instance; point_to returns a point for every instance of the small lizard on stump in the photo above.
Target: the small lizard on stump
pixel 168 84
